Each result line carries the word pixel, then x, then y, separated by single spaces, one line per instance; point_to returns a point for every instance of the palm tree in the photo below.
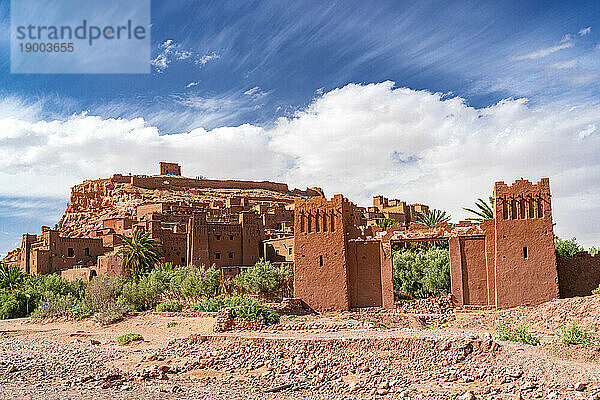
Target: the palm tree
pixel 11 277
pixel 483 210
pixel 433 217
pixel 140 253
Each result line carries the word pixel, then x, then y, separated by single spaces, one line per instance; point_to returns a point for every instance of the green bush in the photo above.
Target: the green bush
pixel 262 278
pixel 567 247
pixel 573 334
pixel 51 285
pixel 517 334
pixel 129 338
pixel 195 282
pixel 245 307
pixel 422 273
pixel 145 293
pixel 13 305
pixel 64 306
pixel 11 277
pixel 171 324
pixel 596 291
pixel 172 306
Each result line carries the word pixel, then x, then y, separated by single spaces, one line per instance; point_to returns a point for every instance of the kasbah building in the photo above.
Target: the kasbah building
pixel 340 257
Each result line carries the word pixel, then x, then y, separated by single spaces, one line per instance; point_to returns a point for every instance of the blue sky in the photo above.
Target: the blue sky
pixel 271 67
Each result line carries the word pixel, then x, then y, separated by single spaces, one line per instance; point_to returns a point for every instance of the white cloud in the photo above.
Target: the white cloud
pixel 585 31
pixel 191 84
pixel 255 92
pixel 566 64
pixel 546 51
pixel 359 140
pixel 206 58
pixel 170 51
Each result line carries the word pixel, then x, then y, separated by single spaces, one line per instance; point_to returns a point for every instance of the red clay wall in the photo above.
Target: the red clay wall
pixel 320 277
pixel 579 275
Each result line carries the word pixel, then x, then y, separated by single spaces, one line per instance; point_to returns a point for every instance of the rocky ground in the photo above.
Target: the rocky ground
pixel 421 350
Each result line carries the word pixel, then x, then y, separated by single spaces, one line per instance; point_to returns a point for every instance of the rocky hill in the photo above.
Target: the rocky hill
pixel 95 200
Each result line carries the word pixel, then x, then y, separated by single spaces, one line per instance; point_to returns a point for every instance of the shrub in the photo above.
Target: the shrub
pixel 196 282
pixel 65 306
pixel 55 285
pixel 573 334
pixel 596 291
pixel 13 305
pixel 171 324
pixel 129 338
pixel 145 293
pixel 567 247
pixel 422 273
pixel 517 334
pixel 262 278
pixel 11 277
pixel 172 306
pixel 593 250
pixel 244 307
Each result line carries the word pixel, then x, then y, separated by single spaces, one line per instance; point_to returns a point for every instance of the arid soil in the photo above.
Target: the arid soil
pixel 421 350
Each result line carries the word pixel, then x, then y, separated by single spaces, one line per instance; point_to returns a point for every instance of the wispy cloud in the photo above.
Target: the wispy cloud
pixel 170 51
pixel 585 31
pixel 566 64
pixel 191 84
pixel 545 51
pixel 255 92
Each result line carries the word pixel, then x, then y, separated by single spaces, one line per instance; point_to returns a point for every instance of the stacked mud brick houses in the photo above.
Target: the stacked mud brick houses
pixel 341 258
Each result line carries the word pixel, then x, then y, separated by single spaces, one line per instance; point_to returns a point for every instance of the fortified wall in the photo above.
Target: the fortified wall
pixel 334 267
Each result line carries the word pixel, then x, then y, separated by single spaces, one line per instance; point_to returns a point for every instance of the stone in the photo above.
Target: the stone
pixel 580 386
pixel 468 395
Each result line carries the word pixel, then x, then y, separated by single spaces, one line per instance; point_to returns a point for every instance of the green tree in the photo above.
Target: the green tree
pixel 567 247
pixel 140 253
pixel 433 217
pixel 262 278
pixel 422 273
pixel 11 277
pixel 385 223
pixel 482 210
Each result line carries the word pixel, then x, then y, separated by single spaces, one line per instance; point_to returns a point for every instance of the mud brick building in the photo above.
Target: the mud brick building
pixel 334 266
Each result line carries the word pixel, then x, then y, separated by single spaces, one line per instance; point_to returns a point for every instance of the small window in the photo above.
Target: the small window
pixel 290 251
pixel 70 252
pixel 218 237
pixel 86 251
pixel 230 237
pixel 230 255
pixel 320 261
pixel 525 253
pixel 182 260
pixel 217 256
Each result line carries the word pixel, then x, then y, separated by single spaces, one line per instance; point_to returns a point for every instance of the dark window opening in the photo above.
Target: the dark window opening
pixel 86 251
pixel 70 252
pixel 230 255
pixel 230 237
pixel 320 261
pixel 182 260
pixel 218 237
pixel 525 253
pixel 217 256
pixel 290 251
